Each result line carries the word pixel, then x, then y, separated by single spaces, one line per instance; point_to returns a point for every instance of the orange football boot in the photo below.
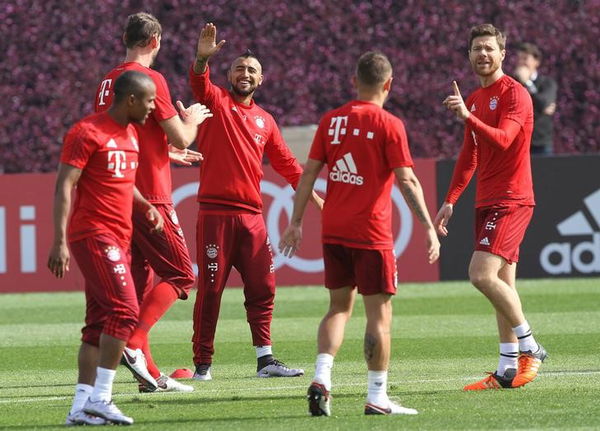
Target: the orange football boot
pixel 493 381
pixel 529 364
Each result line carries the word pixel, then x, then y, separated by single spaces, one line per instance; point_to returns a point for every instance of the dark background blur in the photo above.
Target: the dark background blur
pixel 54 54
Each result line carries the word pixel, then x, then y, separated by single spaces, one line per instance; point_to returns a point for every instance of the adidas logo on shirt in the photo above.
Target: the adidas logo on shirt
pixel 485 241
pixel 345 171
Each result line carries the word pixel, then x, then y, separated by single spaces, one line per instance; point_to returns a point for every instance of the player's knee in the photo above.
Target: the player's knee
pixel 341 309
pixel 480 279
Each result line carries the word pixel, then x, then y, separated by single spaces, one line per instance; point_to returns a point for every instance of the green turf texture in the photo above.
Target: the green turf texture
pixel 443 337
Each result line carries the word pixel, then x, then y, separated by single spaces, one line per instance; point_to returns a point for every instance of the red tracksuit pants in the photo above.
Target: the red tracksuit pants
pixel 239 240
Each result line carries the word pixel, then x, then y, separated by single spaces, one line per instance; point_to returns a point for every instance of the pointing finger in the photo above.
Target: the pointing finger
pixel 455 88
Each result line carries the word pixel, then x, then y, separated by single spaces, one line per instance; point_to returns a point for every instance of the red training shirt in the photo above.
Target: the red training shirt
pixel 154 174
pixel 361 143
pixel 107 154
pixel 497 140
pixel 233 142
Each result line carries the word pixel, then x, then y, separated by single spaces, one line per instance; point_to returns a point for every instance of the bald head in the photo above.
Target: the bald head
pixel 132 83
pixel 135 93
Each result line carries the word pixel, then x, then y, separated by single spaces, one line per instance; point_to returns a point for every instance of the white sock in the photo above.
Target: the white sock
pixel 103 385
pixel 82 393
pixel 323 368
pixel 526 340
pixel 377 388
pixel 263 351
pixel 509 353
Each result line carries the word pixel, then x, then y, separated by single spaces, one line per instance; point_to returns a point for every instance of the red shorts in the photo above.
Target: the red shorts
pixel 111 300
pixel 500 229
pixel 166 254
pixel 372 271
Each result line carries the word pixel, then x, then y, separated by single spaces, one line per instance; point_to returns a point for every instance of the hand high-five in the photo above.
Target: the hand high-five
pixel 456 104
pixel 195 113
pixel 207 45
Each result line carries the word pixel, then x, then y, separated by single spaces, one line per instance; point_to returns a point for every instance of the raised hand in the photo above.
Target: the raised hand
pixel 456 104
pixel 193 114
pixel 207 45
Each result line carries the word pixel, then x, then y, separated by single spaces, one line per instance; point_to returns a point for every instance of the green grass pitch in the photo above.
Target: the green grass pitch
pixel 443 338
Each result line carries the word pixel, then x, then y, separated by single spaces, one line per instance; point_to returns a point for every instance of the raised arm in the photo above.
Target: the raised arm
pixel 207 47
pixel 59 258
pixel 501 137
pixel 413 195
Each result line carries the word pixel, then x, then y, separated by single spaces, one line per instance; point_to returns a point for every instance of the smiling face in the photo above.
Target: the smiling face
pixel 245 75
pixel 485 55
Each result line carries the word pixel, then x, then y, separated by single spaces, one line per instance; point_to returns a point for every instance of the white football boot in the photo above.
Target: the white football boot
pixel 108 411
pixel 277 368
pixel 81 418
pixel 135 361
pixel 167 384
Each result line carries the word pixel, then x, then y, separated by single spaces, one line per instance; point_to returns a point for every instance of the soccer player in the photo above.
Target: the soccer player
pixel 230 229
pixel 100 157
pixel 498 121
pixel 165 254
pixel 365 148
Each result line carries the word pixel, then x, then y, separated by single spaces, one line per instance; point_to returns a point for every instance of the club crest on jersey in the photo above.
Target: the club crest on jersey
pixel 212 250
pixel 493 103
pixel 260 121
pixel 112 253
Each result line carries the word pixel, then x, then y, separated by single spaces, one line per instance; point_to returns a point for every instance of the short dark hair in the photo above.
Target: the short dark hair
pixel 249 54
pixel 140 28
pixel 531 49
pixel 131 82
pixel 373 68
pixel 487 30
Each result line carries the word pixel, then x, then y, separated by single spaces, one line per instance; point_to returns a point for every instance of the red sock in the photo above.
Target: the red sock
pixel 155 305
pixel 152 368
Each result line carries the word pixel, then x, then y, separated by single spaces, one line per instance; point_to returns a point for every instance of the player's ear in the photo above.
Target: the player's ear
pixel 387 85
pixel 154 41
pixel 261 79
pixel 131 99
pixel 354 82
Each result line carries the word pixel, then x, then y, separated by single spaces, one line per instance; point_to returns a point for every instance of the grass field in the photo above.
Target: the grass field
pixel 444 337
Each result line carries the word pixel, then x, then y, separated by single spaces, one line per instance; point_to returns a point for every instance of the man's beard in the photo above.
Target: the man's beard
pixel 243 93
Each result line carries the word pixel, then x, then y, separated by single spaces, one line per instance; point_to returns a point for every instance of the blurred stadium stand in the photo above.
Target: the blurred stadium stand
pixel 55 52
